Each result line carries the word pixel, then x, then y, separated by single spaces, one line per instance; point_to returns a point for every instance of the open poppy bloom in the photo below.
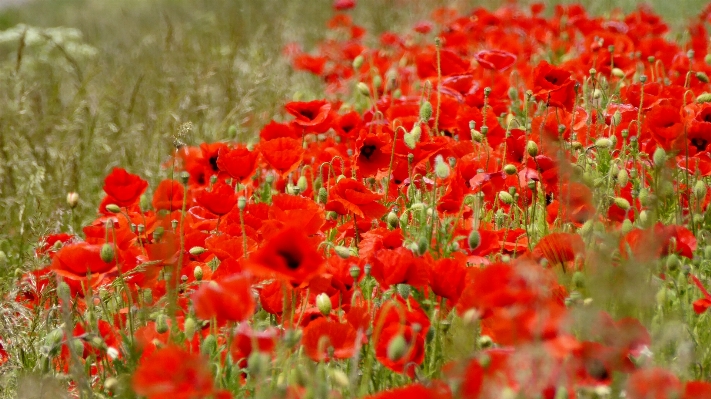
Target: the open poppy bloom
pixel 284 154
pixel 82 262
pixel 554 86
pixel 173 372
pixel 313 116
pixel 351 196
pixel 240 163
pixel 219 200
pixel 497 60
pixel 229 299
pixel 124 188
pixel 290 255
pixel 168 196
pixel 325 339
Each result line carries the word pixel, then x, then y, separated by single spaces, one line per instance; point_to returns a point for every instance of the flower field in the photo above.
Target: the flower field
pixel 486 203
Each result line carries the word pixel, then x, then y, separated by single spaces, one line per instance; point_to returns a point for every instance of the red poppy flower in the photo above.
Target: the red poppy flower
pixel 283 154
pixel 554 86
pixel 665 125
pixel 173 373
pixel 448 277
pixel 342 5
pixel 240 163
pixel 415 391
pixel 697 389
pixel 351 196
pixel 79 260
pixel 653 383
pixel 220 199
pixel 373 152
pixel 247 340
pixel 229 299
pixel 168 195
pixel 324 338
pixel 701 305
pixel 50 244
pixel 497 60
pixel 123 187
pixel 313 116
pixel 290 255
pixel 413 352
pixel 559 248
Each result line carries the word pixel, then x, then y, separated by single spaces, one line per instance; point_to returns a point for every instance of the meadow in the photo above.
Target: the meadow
pixel 323 199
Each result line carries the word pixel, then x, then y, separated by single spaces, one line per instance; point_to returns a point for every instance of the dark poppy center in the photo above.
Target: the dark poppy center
pixel 699 143
pixel 291 259
pixel 367 150
pixel 309 114
pixel 213 163
pixel 552 79
pixel 597 370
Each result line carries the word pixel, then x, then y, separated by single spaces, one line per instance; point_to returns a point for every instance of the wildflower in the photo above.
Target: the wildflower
pixel 124 188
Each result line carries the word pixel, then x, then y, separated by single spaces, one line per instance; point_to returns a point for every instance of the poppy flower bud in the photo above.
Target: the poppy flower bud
pixel 161 324
pixel 622 203
pixel 703 98
pixel 707 252
pixel 659 157
pixel 322 195
pixel 643 79
pixel 342 252
pixel 623 177
pixel 393 220
pixel 77 345
pixel 339 378
pixel 113 208
pixel 603 143
pixel 702 77
pixel 410 140
pixel 665 296
pixel 292 337
pixel 510 169
pixel 700 189
pixel 323 303
pixel 532 148
pixel 578 280
pixel 358 62
pixel 643 217
pixel 441 167
pixel 561 393
pixel 318 183
pixel 363 89
pixel 197 273
pixel 63 290
pixel 209 345
pixel 513 93
pixel 354 271
pixel 107 253
pixel 673 262
pixel 241 203
pixel 425 111
pixel 474 239
pixel 505 197
pixel 485 342
pixel 422 245
pixel 377 81
pixel 618 73
pixel 302 183
pixel 397 348
pixel 404 290
pixel 196 251
pixel 72 199
pixel 258 363
pixel 626 226
pixel 190 327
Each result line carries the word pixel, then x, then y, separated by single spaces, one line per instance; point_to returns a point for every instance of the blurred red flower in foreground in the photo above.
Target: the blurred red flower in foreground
pixel 325 339
pixel 554 85
pixel 174 373
pixel 219 200
pixel 351 196
pixel 229 299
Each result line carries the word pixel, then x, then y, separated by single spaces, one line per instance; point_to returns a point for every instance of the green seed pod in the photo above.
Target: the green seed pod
pixel 532 148
pixel 358 62
pixel 578 280
pixel 510 169
pixel 161 324
pixel 342 252
pixel 197 273
pixel 474 239
pixel 209 345
pixel 397 348
pixel 425 111
pixel 354 271
pixel 659 157
pixel 363 89
pixel 196 251
pixel 603 143
pixel 623 177
pixel 622 203
pixel 323 303
pixel 700 189
pixel 241 203
pixel 190 328
pixel 392 220
pixel 505 197
pixel 107 253
pixel 702 77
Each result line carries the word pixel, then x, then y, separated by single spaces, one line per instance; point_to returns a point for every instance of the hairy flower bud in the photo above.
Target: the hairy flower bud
pixel 72 199
pixel 342 252
pixel 358 62
pixel 323 303
pixel 700 189
pixel 113 208
pixel 190 327
pixel 505 197
pixel 474 240
pixel 441 168
pixel 397 348
pixel 622 203
pixel 363 89
pixel 510 169
pixel 532 148
pixel 659 157
pixel 198 273
pixel 196 251
pixel 107 253
pixel 161 324
pixel 623 177
pixel 425 111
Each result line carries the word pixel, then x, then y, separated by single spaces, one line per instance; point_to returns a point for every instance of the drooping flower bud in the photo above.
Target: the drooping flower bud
pixel 702 77
pixel 700 189
pixel 363 89
pixel 322 195
pixel 107 253
pixel 510 169
pixel 622 203
pixel 393 220
pixel 505 197
pixel 623 177
pixel 342 252
pixel 161 324
pixel 441 168
pixel 618 73
pixel 425 111
pixel 209 345
pixel 397 348
pixel 190 327
pixel 603 142
pixel 72 199
pixel 113 208
pixel 659 157
pixel 198 273
pixel 358 62
pixel 532 148
pixel 703 98
pixel 197 251
pixel 474 239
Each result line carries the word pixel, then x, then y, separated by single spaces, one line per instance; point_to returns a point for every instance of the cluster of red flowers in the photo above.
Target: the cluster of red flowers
pixel 442 175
